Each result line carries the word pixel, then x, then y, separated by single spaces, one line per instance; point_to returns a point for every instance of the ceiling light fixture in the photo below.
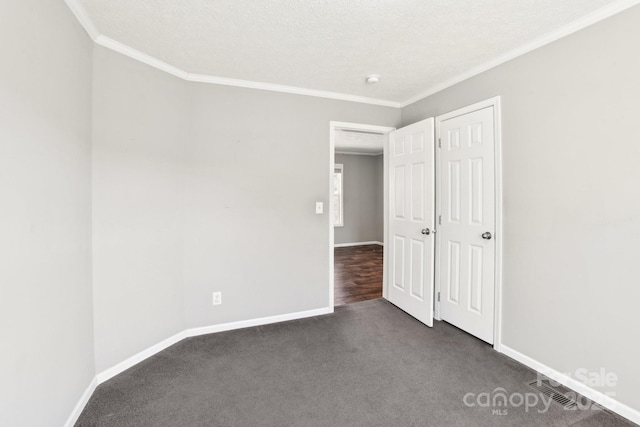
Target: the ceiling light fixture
pixel 373 79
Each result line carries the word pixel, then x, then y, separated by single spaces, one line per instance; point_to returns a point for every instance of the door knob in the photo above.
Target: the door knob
pixel 426 231
pixel 486 235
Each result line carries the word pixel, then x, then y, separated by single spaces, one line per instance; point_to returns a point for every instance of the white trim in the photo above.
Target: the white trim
pixel 499 241
pixel 491 102
pixel 193 332
pixel 361 127
pixel 557 34
pixel 577 386
pixel 109 373
pixel 83 18
pixel 356 153
pixel 346 245
pixel 333 126
pixel 109 43
pixel 499 230
pixel 386 159
pixel 332 168
pixel 438 212
pixel 290 89
pixel 125 50
pixel 82 402
pixel 156 348
pixel 81 15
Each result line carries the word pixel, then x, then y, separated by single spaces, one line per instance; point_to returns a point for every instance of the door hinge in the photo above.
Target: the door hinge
pixel 438 296
pixel 439 143
pixel 439 219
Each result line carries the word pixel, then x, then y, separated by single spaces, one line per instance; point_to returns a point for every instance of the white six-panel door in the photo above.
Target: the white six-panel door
pixel 466 233
pixel 411 219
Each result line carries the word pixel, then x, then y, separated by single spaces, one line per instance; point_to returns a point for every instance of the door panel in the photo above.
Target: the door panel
pixel 467 209
pixel 411 191
pixel 417 268
pixel 453 270
pixel 398 262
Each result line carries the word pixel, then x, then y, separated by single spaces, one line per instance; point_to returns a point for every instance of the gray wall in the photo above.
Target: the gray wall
pixel 201 188
pixel 257 163
pixel 571 156
pixel 362 199
pixel 140 133
pixel 45 213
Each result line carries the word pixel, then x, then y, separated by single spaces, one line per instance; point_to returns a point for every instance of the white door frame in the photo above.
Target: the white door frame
pixel 495 103
pixel 333 126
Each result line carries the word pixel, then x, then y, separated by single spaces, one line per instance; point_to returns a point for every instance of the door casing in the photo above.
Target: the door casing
pixel 333 126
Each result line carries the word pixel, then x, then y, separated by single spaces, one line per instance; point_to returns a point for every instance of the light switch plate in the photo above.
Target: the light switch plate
pixel 217 298
pixel 319 207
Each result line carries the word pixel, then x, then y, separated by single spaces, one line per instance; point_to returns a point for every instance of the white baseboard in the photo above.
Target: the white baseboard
pixel 138 357
pixel 256 322
pixel 596 396
pixel 77 410
pixel 145 354
pixel 345 245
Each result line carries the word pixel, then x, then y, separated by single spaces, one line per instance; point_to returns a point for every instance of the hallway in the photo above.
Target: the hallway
pixel 357 274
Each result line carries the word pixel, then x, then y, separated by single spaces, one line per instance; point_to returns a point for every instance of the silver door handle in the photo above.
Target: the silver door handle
pixel 486 235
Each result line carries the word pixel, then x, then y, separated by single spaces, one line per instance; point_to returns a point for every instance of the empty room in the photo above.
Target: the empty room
pixel 319 213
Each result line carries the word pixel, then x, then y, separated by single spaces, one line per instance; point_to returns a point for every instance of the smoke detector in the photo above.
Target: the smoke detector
pixel 373 79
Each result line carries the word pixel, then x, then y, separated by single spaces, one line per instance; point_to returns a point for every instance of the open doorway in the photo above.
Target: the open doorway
pixel 357 211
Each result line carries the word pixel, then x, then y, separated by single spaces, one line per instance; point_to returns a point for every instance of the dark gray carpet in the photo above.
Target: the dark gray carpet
pixel 369 364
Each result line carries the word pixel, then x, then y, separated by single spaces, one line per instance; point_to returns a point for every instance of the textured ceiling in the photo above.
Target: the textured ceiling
pixel 332 45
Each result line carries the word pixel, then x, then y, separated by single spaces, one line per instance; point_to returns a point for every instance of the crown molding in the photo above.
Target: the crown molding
pixel 81 15
pixel 152 61
pixel 109 43
pixel 290 89
pixel 561 32
pixel 116 46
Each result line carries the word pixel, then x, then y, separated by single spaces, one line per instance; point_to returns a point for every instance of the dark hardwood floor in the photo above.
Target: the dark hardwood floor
pixel 357 274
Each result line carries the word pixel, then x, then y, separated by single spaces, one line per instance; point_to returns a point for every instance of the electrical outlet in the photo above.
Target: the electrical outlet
pixel 217 298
